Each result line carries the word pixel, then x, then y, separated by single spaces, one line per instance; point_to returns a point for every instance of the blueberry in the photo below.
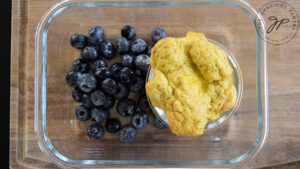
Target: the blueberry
pixel 149 49
pixel 77 94
pixel 87 82
pixel 126 107
pixel 157 34
pixel 116 69
pixel 98 64
pixel 144 104
pixel 80 65
pixel 142 62
pixel 122 45
pixel 95 35
pixel 86 101
pixel 138 46
pixel 143 74
pixel 94 131
pixel 122 92
pixel 139 120
pixel 112 125
pixel 109 86
pixel 128 32
pixel 107 50
pixel 127 134
pixel 98 98
pixel 72 78
pixel 99 115
pixel 158 124
pixel 138 85
pixel 103 73
pixel 78 41
pixel 89 53
pixel 82 113
pixel 127 75
pixel 109 102
pixel 127 60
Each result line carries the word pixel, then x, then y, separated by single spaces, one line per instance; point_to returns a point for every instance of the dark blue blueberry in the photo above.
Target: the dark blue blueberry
pixel 128 32
pixel 109 102
pixel 143 74
pixel 127 134
pixel 94 131
pixel 80 65
pixel 140 120
pixel 82 113
pixel 99 115
pixel 128 61
pixel 89 53
pixel 87 82
pixel 107 50
pixel 112 125
pixel 158 34
pixel 98 98
pixel 72 78
pixel 138 85
pixel 158 124
pixel 116 69
pixel 109 86
pixel 95 35
pixel 122 45
pixel 98 64
pixel 126 107
pixel 122 92
pixel 103 73
pixel 127 75
pixel 144 104
pixel 77 94
pixel 149 49
pixel 138 46
pixel 142 62
pixel 86 101
pixel 78 41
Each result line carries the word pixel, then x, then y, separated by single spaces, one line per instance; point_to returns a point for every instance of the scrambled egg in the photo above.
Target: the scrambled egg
pixel 192 82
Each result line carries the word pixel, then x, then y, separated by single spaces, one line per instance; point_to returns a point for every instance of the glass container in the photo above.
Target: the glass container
pixel 231 23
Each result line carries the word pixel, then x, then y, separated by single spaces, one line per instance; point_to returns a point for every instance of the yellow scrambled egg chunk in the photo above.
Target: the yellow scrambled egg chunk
pixel 192 82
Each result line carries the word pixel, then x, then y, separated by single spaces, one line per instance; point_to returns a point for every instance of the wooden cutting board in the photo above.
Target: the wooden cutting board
pixel 283 144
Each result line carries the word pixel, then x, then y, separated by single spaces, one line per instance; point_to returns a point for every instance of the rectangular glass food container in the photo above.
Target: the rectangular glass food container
pixel 232 23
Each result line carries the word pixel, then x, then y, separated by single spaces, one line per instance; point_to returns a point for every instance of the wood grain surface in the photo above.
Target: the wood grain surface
pixel 282 149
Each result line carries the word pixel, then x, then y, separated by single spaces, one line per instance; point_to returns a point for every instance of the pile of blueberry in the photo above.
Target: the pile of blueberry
pixel 98 86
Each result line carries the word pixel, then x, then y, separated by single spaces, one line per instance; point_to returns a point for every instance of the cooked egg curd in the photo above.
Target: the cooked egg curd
pixel 192 83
